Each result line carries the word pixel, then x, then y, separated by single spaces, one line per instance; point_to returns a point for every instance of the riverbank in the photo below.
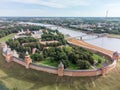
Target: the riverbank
pixel 91 33
pixel 113 36
pixel 84 32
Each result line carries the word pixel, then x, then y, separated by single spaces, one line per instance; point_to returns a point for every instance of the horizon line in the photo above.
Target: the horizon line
pixel 65 16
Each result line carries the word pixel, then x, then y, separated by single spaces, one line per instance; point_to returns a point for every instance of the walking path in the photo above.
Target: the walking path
pixel 89 46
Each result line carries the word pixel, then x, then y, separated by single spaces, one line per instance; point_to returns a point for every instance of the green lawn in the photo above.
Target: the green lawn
pixel 73 66
pixel 96 57
pixel 4 39
pixel 47 62
pixel 55 64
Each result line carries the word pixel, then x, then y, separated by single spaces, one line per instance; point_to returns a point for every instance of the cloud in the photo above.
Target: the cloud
pixel 113 5
pixel 24 12
pixel 53 3
pixel 40 2
pixel 113 8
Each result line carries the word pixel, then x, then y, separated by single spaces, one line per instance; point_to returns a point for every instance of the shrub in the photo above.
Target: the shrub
pixel 83 64
pixel 65 63
pixel 99 60
pixel 37 57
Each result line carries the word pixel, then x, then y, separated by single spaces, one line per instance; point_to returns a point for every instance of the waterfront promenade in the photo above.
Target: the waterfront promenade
pixel 89 46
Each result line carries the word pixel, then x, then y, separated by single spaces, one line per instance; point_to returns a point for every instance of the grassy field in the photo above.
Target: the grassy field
pixel 16 77
pixel 73 66
pixel 4 39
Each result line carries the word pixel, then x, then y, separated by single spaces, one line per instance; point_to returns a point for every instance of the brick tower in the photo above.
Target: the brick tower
pixel 60 69
pixel 28 60
pixel 115 56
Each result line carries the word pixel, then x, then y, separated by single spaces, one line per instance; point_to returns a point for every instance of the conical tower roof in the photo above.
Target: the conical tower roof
pixel 61 65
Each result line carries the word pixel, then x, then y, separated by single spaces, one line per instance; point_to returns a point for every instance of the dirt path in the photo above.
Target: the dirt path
pixel 89 46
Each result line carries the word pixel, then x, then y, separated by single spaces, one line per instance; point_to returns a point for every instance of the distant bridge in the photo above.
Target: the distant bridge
pixel 82 37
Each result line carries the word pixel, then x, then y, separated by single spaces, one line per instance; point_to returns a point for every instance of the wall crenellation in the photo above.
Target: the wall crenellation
pixel 60 71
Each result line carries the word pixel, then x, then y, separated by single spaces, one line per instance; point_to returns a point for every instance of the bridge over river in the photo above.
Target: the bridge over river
pixel 112 44
pixel 86 37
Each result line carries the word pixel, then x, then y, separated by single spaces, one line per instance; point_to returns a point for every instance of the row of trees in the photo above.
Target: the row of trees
pixel 24 44
pixel 17 45
pixel 51 35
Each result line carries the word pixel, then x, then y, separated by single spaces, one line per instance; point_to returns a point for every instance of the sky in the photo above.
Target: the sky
pixel 60 8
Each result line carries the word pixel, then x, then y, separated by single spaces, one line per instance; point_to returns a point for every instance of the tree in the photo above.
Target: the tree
pixel 99 60
pixel 37 57
pixel 72 57
pixel 22 55
pixel 83 64
pixel 61 55
pixel 65 63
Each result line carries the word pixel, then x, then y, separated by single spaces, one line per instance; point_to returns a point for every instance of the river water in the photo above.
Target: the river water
pixel 104 42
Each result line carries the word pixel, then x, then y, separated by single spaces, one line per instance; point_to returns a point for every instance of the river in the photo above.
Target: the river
pixel 104 42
